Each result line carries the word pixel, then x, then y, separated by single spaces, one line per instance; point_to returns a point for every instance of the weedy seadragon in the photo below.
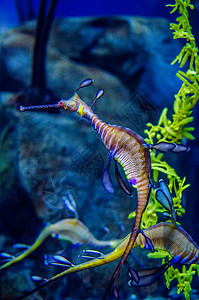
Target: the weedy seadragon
pixel 126 147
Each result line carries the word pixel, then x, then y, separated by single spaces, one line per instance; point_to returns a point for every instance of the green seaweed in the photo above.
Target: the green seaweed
pixel 183 277
pixel 174 131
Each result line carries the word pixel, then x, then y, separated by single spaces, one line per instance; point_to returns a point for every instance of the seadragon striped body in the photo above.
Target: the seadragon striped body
pixel 130 150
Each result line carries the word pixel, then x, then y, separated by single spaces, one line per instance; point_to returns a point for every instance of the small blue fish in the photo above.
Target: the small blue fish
pixel 163 196
pixel 132 273
pixel 105 229
pixel 172 147
pixel 121 226
pixel 20 246
pixel 38 278
pixel 148 276
pixel 70 203
pixel 57 260
pixel 96 254
pixel 6 255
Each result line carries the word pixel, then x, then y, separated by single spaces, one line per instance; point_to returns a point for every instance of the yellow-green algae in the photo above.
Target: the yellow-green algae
pixel 175 130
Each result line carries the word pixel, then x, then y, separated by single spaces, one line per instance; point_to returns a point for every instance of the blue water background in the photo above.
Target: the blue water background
pixel 152 8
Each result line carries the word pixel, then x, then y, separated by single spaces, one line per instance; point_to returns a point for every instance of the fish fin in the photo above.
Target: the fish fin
pixel 180 148
pixel 163 147
pixel 163 200
pixel 106 179
pixel 149 276
pixel 166 147
pixel 132 272
pixel 120 180
pixel 163 196
pixel 148 241
pixel 57 260
pixel 164 187
pixel 92 254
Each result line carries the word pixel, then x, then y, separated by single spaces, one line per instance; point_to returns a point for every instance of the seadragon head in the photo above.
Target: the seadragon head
pixel 75 103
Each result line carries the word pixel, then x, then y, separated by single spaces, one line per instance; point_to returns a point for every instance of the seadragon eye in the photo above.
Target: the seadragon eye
pixel 60 103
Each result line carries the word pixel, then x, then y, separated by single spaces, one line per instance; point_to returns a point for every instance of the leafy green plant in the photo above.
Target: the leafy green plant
pixel 174 131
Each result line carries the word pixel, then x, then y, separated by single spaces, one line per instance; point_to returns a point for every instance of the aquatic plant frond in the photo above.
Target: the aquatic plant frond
pixel 174 130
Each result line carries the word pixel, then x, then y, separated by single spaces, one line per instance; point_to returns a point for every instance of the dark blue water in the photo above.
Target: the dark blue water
pixel 153 8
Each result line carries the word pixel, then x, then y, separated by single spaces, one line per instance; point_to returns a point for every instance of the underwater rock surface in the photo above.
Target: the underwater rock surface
pixel 44 155
pixel 137 50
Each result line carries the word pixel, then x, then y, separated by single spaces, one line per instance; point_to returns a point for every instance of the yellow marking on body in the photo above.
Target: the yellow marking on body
pixel 81 111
